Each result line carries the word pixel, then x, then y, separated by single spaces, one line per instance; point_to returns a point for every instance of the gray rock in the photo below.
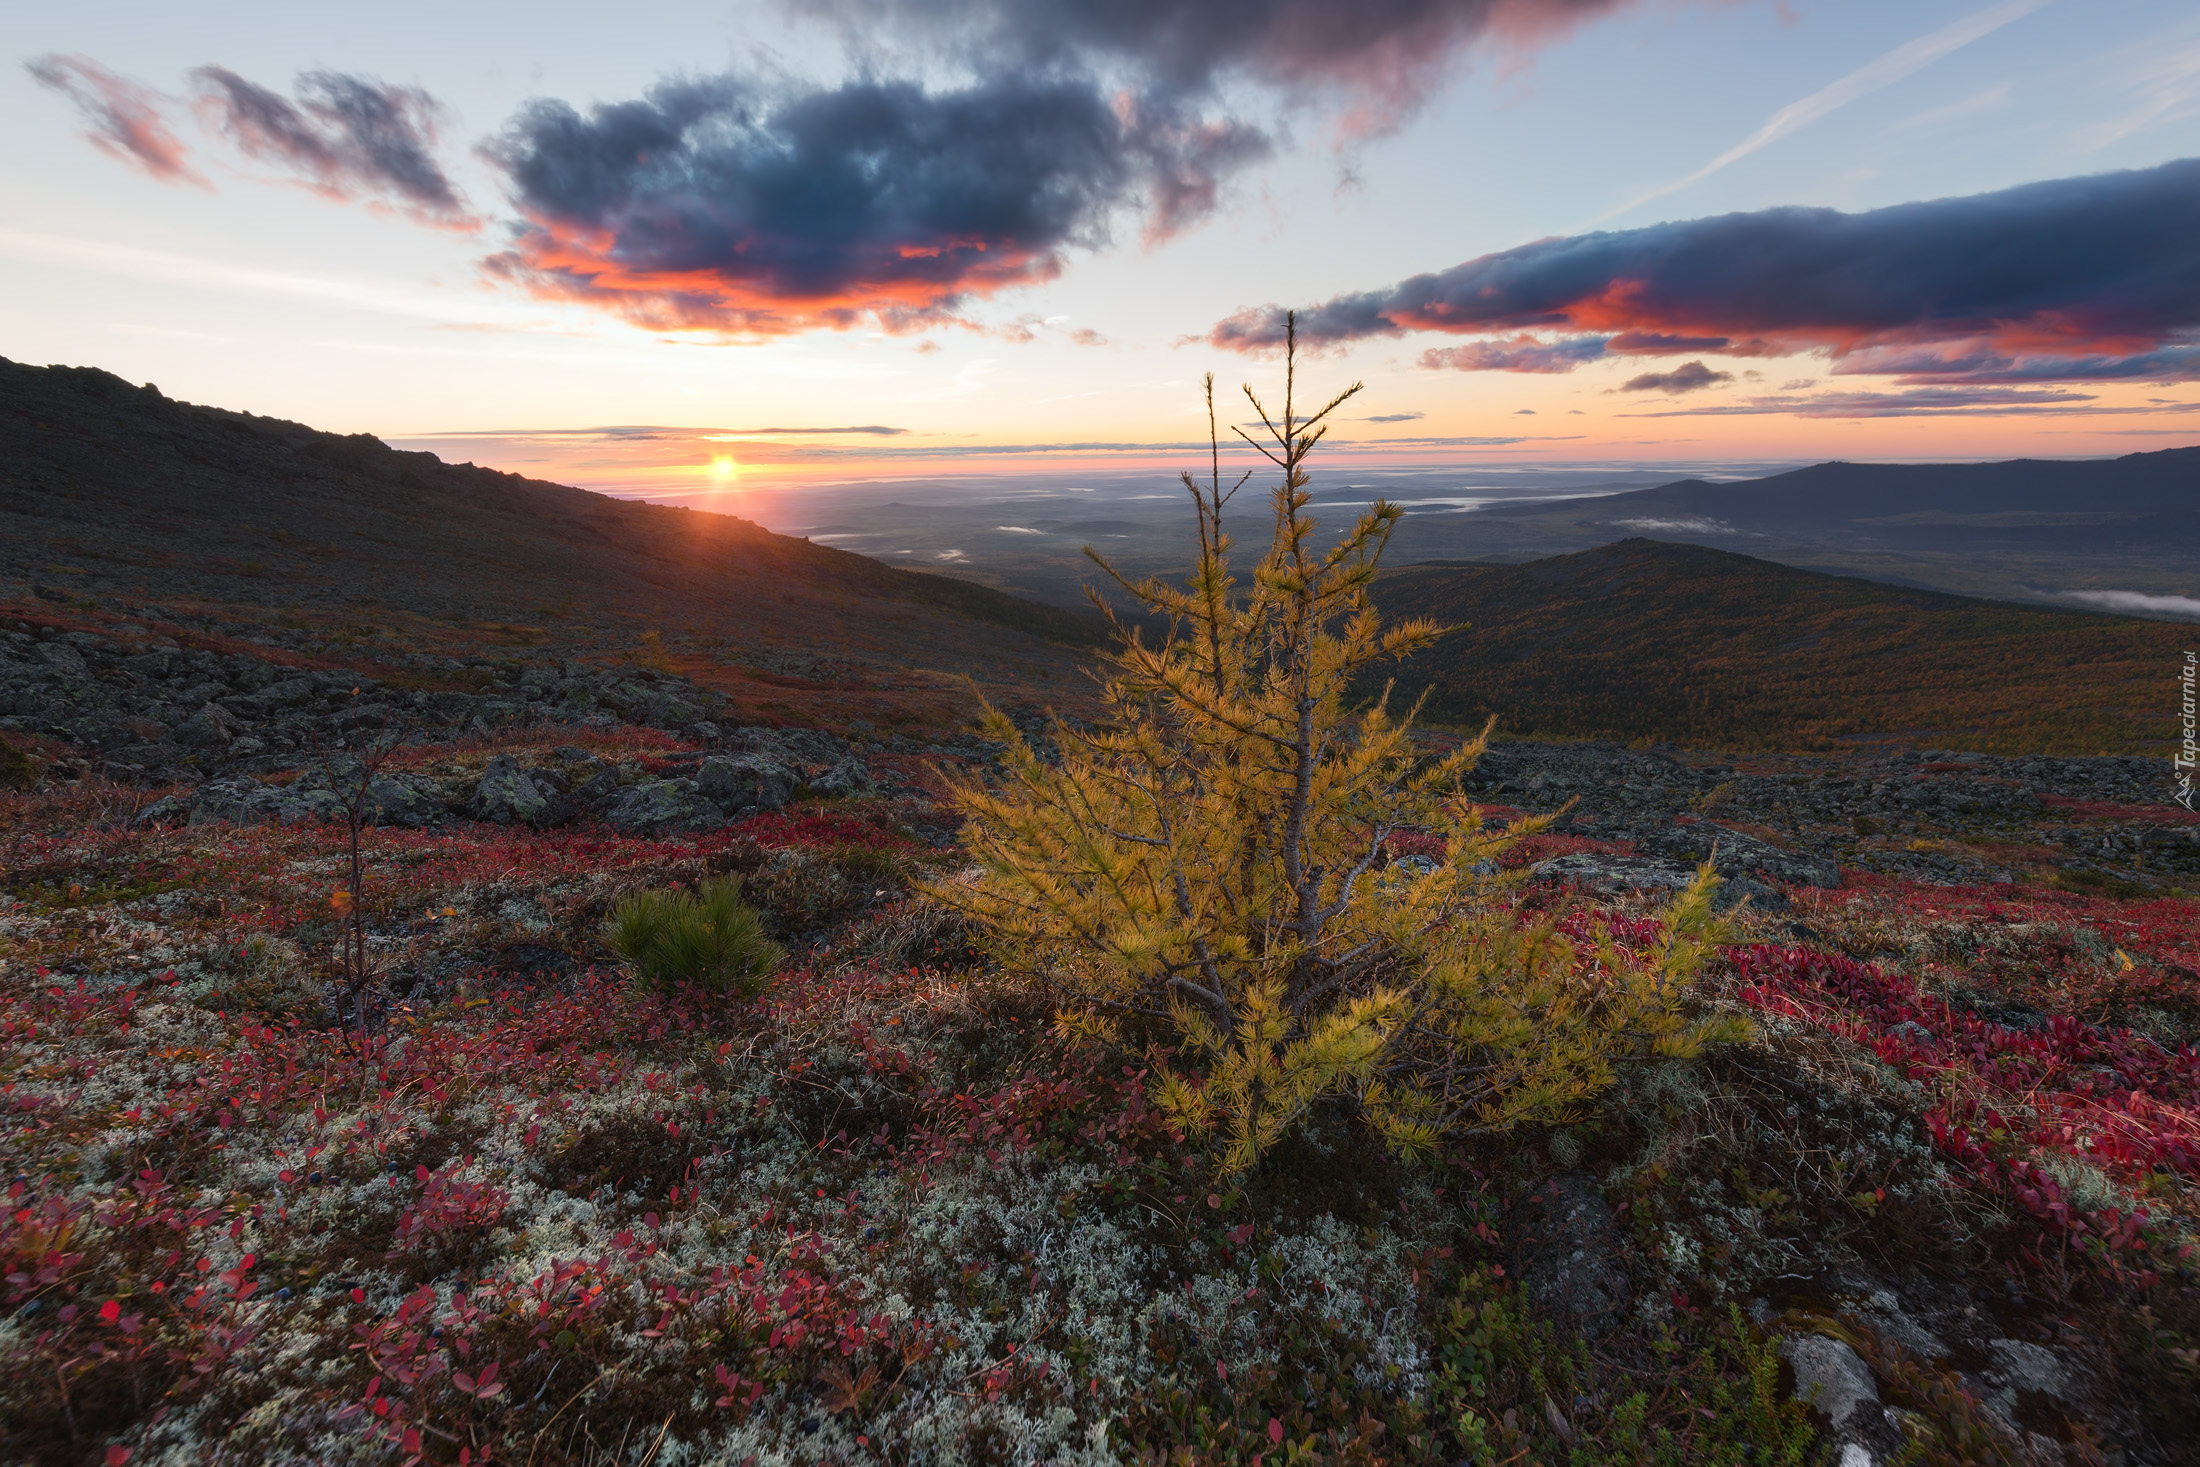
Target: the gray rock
pixel 168 810
pixel 1613 875
pixel 660 806
pixel 1564 1252
pixel 1831 1379
pixel 211 727
pixel 744 783
pixel 245 801
pixel 588 780
pixel 511 795
pixel 67 659
pixel 2020 1366
pixel 409 800
pixel 851 776
pixel 1735 855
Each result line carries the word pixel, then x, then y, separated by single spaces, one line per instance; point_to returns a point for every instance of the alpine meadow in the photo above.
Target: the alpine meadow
pixel 1027 733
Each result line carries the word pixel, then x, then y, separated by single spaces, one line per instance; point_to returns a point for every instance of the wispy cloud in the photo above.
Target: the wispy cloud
pixel 127 120
pixel 2164 82
pixel 1903 61
pixel 1372 64
pixel 71 252
pixel 1992 99
pixel 349 137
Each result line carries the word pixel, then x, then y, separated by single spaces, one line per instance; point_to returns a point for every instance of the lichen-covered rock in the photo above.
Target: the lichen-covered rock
pixel 658 806
pixel 1564 1251
pixel 744 783
pixel 851 776
pixel 243 800
pixel 2020 1366
pixel 510 794
pixel 588 780
pixel 1834 1381
pixel 1830 1378
pixel 409 800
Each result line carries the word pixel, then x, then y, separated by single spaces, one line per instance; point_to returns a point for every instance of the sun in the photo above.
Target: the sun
pixel 723 468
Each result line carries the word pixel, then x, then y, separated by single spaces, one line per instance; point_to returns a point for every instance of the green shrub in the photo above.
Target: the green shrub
pixel 711 938
pixel 18 771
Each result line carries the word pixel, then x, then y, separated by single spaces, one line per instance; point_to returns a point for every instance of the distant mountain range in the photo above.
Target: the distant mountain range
pixel 2029 528
pixel 113 494
pixel 1705 648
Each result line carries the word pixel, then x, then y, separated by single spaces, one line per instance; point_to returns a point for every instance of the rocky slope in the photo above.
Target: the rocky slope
pixel 113 492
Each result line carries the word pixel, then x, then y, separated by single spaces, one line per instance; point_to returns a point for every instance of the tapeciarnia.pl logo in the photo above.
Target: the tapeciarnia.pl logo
pixel 2188 720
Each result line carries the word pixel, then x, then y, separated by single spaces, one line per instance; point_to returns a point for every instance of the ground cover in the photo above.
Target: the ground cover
pixel 533 1213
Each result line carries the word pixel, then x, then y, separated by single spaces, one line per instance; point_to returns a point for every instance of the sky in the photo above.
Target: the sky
pixel 721 248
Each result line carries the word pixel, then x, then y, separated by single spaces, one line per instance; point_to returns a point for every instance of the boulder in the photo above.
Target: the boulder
pixel 661 806
pixel 1830 1378
pixel 2020 1366
pixel 851 776
pixel 242 800
pixel 409 800
pixel 209 728
pixel 588 779
pixel 510 794
pixel 744 783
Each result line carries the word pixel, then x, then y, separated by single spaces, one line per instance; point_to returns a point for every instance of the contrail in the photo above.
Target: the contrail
pixel 1902 61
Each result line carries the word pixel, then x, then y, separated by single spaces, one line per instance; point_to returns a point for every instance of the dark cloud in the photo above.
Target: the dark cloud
pixel 1687 377
pixel 125 119
pixel 1393 417
pixel 2092 278
pixel 1380 58
pixel 720 204
pixel 1665 343
pixel 1917 402
pixel 348 136
pixel 1521 353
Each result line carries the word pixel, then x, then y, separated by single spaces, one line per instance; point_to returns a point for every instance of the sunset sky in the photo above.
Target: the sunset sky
pixel 923 236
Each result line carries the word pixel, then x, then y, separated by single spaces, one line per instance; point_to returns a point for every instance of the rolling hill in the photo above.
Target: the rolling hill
pixel 109 490
pixel 2026 529
pixel 1681 643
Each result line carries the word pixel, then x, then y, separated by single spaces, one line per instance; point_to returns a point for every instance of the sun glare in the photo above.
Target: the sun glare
pixel 723 468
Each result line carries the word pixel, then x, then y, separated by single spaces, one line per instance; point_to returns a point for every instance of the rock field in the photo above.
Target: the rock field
pixel 222 724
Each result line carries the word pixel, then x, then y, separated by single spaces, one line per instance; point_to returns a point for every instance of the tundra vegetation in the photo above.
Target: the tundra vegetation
pixel 1226 1091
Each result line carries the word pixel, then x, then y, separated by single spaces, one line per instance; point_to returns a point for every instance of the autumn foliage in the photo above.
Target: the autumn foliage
pixel 1214 858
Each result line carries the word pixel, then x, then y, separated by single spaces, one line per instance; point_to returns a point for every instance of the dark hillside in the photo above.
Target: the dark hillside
pixel 2025 529
pixel 2139 499
pixel 1682 643
pixel 106 488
